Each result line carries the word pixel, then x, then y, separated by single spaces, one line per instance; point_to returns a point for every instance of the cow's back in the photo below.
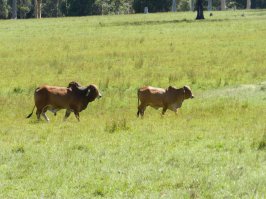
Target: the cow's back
pixel 52 95
pixel 41 96
pixel 151 96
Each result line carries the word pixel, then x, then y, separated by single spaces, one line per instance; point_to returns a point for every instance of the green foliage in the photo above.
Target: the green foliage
pixel 113 7
pixel 153 5
pixel 258 4
pixel 117 125
pixel 59 8
pixel 213 148
pixel 3 9
pixel 24 7
pixel 262 143
pixel 52 8
pixel 79 7
pixel 183 5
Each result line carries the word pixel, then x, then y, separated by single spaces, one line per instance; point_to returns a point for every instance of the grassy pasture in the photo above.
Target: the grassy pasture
pixel 214 148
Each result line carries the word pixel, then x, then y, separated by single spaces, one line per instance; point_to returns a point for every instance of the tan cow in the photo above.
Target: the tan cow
pixel 73 98
pixel 170 98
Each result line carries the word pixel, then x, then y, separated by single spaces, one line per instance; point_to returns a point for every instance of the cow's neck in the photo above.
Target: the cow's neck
pixel 84 104
pixel 182 95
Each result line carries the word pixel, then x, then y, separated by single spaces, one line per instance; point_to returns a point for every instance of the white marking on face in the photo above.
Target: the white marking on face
pixel 88 92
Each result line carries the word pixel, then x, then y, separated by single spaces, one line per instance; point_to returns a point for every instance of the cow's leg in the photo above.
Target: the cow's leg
pixel 67 114
pixel 45 117
pixel 77 115
pixel 139 112
pixel 38 113
pixel 142 112
pixel 141 109
pixel 53 110
pixel 164 110
pixel 44 109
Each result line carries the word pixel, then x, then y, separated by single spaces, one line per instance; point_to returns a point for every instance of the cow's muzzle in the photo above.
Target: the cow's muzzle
pixel 99 96
pixel 192 96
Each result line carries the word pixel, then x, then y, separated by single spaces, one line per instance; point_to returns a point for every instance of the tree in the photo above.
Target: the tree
pixel 24 6
pixel 209 5
pixel 38 8
pixel 174 6
pixel 222 4
pixel 79 7
pixel 248 4
pixel 191 5
pixel 57 8
pixel 199 10
pixel 153 5
pixel 121 6
pixel 105 7
pixel 3 9
pixel 258 4
pixel 184 5
pixel 14 9
pixel 52 8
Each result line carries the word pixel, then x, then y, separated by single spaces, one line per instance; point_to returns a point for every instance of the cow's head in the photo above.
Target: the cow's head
pixel 187 92
pixel 92 93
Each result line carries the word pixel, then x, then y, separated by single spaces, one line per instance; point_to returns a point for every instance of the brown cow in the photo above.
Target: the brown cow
pixel 74 85
pixel 170 98
pixel 73 98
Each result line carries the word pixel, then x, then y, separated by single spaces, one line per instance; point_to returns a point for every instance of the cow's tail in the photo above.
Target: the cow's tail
pixel 31 112
pixel 138 105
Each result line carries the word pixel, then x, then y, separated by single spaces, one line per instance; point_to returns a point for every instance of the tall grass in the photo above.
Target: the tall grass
pixel 213 148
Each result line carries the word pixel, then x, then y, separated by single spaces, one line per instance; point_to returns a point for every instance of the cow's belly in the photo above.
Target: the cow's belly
pixel 174 107
pixel 53 109
pixel 156 105
pixel 56 106
pixel 59 102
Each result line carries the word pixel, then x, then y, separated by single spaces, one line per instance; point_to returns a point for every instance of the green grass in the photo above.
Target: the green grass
pixel 214 148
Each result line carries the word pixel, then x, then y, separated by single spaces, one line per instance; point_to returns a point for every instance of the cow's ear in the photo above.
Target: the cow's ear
pixel 88 92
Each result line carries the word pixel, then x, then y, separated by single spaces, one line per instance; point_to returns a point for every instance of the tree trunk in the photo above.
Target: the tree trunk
pixel 222 4
pixel 14 9
pixel 200 10
pixel 38 12
pixel 191 5
pixel 40 8
pixel 248 4
pixel 57 8
pixel 253 4
pixel 36 8
pixel 174 6
pixel 209 5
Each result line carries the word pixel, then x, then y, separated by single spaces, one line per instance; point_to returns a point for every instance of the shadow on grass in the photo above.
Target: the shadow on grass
pixel 262 142
pixel 159 22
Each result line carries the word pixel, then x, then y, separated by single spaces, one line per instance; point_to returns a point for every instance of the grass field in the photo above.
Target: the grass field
pixel 214 148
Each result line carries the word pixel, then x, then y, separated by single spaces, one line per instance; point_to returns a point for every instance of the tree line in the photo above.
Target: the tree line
pixel 59 8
